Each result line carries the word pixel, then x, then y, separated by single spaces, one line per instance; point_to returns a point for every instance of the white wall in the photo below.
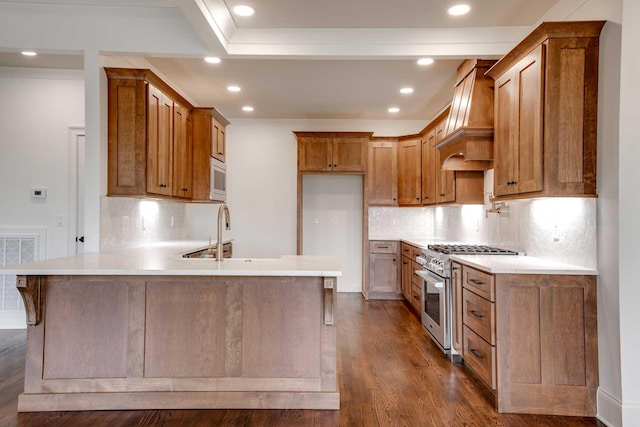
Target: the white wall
pixel 262 192
pixel 39 108
pixel 332 223
pixel 629 206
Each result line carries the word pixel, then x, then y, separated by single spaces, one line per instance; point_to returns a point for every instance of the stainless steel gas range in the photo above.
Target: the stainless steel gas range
pixel 436 303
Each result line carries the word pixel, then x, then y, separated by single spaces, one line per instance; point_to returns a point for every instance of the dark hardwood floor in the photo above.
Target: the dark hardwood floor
pixel 390 374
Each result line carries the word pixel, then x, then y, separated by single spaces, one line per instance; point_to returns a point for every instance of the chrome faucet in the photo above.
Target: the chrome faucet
pixel 222 209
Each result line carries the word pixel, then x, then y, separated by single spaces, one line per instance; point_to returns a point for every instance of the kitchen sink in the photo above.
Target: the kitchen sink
pixel 209 252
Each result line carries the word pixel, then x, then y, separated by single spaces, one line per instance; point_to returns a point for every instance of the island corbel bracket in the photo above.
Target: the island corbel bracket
pixel 329 309
pixel 32 292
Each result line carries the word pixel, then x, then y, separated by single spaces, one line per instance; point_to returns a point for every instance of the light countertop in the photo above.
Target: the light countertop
pixel 500 264
pixel 166 259
pixel 515 264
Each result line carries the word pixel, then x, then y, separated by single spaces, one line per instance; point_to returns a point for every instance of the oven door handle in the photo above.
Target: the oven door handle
pixel 431 279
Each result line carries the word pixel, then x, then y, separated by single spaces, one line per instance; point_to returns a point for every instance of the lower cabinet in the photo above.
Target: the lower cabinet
pixel 456 288
pixel 531 338
pixel 384 270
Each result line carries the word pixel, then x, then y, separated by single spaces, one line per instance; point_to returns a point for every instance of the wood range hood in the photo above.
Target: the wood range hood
pixel 468 141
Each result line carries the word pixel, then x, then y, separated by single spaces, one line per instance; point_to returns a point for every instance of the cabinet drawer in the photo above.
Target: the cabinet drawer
pixel 416 295
pixel 407 250
pixel 415 279
pixel 480 356
pixel 415 251
pixel 383 247
pixel 479 315
pixel 479 282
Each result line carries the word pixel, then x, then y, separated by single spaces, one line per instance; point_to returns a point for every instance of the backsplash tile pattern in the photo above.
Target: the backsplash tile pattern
pixel 560 229
pixel 129 222
pixel 395 222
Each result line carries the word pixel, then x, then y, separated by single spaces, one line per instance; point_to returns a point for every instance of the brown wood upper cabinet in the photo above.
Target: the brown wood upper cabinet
pixel 182 152
pixel 546 113
pixel 159 142
pixel 151 149
pixel 409 172
pixel 332 151
pixel 218 140
pixel 208 131
pixel 382 174
pixel 446 186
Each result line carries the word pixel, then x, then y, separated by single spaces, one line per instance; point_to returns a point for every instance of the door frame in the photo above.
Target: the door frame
pixel 75 132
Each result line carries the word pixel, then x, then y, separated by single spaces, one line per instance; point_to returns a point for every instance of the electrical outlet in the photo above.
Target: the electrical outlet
pixel 172 222
pixel 334 220
pixel 125 224
pixel 59 221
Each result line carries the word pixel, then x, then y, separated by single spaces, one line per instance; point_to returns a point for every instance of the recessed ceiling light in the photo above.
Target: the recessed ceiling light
pixel 406 90
pixel 247 108
pixel 459 9
pixel 243 10
pixel 29 53
pixel 212 59
pixel 233 88
pixel 394 110
pixel 425 61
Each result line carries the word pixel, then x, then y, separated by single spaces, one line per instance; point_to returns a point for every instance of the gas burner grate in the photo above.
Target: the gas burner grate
pixel 470 250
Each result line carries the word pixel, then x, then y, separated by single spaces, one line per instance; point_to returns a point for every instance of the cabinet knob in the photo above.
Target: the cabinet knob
pixel 335 165
pixel 394 199
pixel 329 164
pixel 442 194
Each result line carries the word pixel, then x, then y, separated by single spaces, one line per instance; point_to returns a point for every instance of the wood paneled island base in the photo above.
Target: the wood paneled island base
pixel 179 342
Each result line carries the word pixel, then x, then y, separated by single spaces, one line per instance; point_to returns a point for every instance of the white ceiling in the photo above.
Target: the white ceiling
pixel 329 59
pixel 387 14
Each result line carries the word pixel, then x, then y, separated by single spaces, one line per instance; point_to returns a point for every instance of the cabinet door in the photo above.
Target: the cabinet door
pixel 456 287
pixel 182 152
pixel 383 173
pixel 218 142
pixel 505 148
pixel 127 150
pixel 446 180
pixel 410 175
pixel 160 138
pixel 429 169
pixel 349 154
pixel 315 154
pixel 406 274
pixel 529 80
pixel 383 273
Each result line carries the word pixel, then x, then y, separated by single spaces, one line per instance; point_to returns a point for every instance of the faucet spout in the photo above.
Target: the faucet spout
pixel 223 210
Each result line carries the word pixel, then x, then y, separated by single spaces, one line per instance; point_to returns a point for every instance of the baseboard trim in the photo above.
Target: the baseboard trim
pixel 609 409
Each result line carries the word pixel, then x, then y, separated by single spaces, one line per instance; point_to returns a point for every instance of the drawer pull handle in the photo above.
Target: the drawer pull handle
pixel 383 247
pixel 416 297
pixel 476 314
pixel 477 354
pixel 476 282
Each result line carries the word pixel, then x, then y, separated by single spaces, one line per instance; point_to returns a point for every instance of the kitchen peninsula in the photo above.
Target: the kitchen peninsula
pixel 144 328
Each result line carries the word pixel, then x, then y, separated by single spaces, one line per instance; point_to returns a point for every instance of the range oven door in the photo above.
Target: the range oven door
pixel 435 307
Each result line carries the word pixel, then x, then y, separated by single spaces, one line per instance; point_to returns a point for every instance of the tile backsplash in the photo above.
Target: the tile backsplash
pixel 397 222
pixel 559 229
pixel 129 222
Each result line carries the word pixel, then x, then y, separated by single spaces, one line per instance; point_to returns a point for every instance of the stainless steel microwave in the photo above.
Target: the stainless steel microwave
pixel 218 185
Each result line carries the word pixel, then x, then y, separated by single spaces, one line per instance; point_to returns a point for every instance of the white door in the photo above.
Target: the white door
pixel 76 190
